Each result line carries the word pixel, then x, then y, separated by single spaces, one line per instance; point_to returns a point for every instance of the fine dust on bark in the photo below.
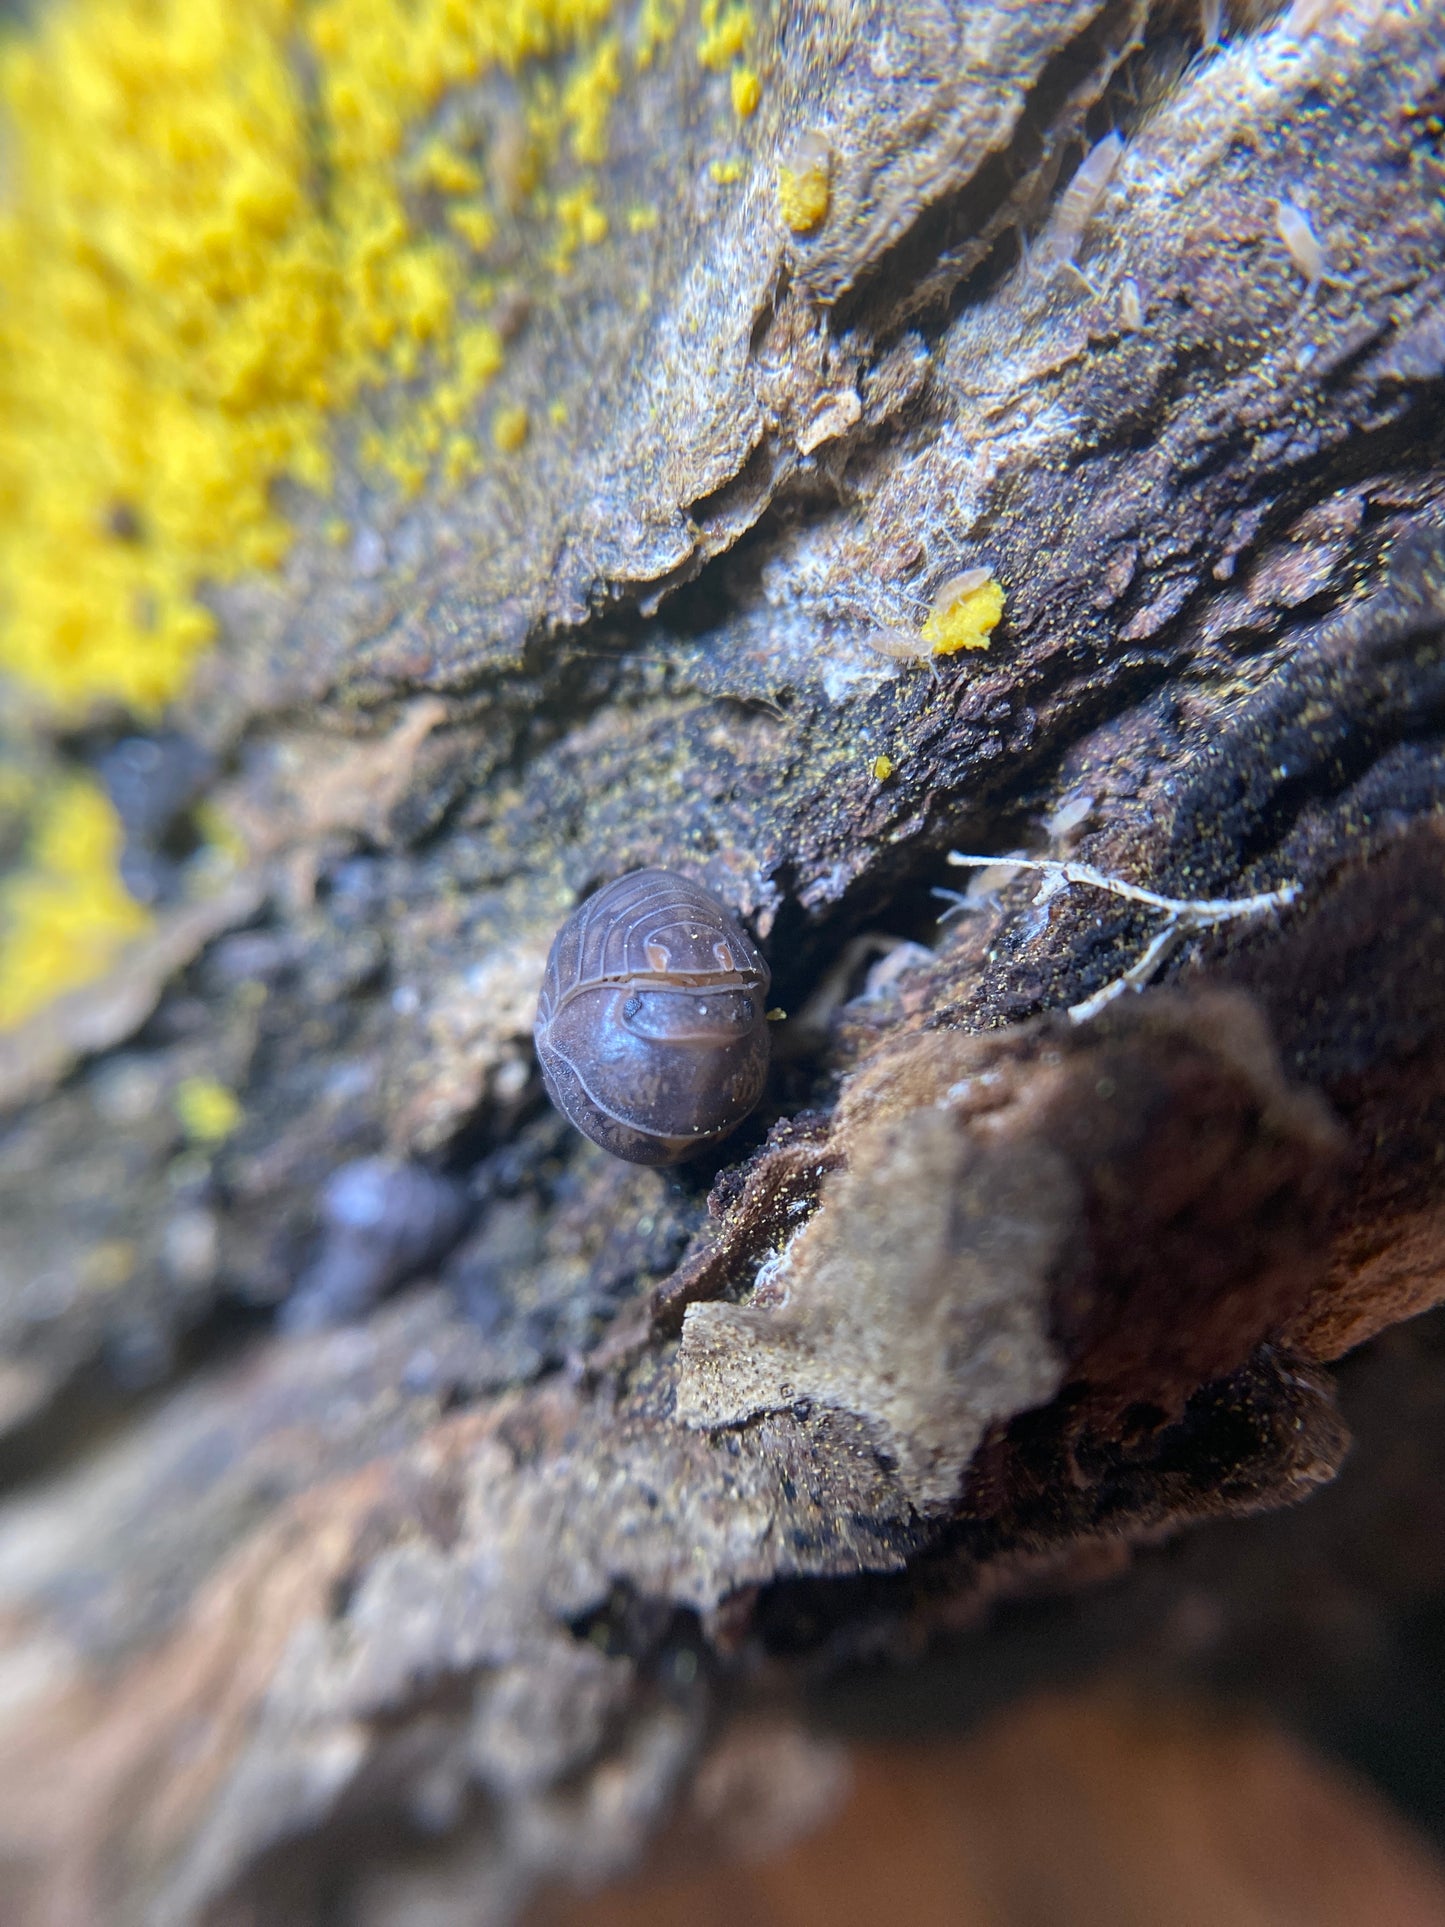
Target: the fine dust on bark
pixel 418 1611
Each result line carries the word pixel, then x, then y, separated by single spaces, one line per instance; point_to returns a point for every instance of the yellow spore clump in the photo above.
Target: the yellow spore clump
pixel 965 613
pixel 510 430
pixel 207 250
pixel 883 767
pixel 747 91
pixel 65 915
pixel 208 1112
pixel 803 196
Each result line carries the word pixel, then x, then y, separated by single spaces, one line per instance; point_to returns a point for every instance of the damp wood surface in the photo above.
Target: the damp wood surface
pixel 404 1615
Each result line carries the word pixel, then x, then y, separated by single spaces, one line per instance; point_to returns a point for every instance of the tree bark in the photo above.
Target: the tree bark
pixel 456 1589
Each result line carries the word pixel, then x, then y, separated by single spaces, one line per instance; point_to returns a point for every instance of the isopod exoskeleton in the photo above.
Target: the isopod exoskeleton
pixel 652 1022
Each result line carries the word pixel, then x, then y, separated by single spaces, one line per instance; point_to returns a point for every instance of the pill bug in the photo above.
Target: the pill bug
pixel 651 1026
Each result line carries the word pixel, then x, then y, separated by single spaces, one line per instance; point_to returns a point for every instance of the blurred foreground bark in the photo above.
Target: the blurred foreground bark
pixel 463 1588
pixel 1085 1809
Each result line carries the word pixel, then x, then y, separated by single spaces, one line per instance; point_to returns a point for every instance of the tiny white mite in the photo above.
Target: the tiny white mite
pixel 1302 245
pixel 1080 200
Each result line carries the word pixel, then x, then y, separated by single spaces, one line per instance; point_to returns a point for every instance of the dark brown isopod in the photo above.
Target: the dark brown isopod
pixel 652 1023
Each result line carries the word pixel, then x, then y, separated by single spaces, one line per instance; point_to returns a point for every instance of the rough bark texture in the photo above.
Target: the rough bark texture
pixel 420 1607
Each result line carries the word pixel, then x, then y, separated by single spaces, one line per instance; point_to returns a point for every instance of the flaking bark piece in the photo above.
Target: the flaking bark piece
pixel 1356 995
pixel 918 1298
pixel 389 1597
pixel 923 101
pixel 744 1211
pixel 1137 1210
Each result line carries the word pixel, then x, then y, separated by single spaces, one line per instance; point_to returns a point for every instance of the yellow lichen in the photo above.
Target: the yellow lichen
pixel 747 91
pixel 479 355
pixel 64 915
pixel 580 223
pixel 510 429
pixel 966 619
pixel 587 102
pixel 657 22
pixel 224 224
pixel 477 225
pixel 803 196
pixel 208 248
pixel 441 166
pixel 207 1111
pixel 883 767
pixel 463 458
pixel 727 26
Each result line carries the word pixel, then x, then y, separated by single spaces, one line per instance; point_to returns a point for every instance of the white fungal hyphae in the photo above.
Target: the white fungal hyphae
pixel 1184 916
pixel 984 886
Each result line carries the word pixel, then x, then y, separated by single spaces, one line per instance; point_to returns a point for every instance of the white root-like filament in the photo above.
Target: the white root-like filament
pixel 1186 916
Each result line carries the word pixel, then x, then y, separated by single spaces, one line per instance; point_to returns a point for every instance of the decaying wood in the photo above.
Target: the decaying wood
pixel 460 1595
